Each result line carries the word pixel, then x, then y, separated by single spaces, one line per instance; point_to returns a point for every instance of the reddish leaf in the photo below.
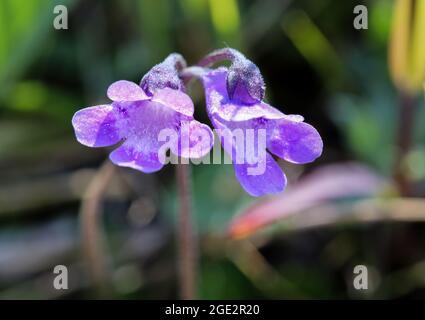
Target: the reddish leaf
pixel 328 183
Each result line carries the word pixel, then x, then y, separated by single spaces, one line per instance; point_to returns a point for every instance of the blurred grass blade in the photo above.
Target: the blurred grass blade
pixel 155 19
pixel 380 22
pixel 24 27
pixel 407 45
pixel 194 8
pixel 3 35
pixel 317 50
pixel 399 42
pixel 417 66
pixel 17 17
pixel 226 21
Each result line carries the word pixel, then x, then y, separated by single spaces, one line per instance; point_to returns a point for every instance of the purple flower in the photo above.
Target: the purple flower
pixel 137 116
pixel 142 116
pixel 286 136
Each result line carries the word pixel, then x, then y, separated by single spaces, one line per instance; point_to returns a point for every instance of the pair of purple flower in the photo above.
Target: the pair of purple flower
pixel 234 99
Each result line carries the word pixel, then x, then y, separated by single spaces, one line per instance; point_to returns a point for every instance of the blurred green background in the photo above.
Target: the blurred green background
pixel 314 62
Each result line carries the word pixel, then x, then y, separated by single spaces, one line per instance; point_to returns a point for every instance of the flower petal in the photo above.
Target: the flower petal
pixel 142 124
pixel 128 156
pixel 296 142
pixel 125 91
pixel 175 99
pixel 272 180
pixel 234 112
pixel 96 126
pixel 195 140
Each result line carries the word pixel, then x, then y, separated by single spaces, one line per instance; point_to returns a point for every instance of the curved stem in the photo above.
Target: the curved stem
pixel 176 60
pixel 218 55
pixel 187 256
pixel 91 227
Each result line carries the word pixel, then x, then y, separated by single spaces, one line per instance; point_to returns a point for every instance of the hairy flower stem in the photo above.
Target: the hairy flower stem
pixel 187 256
pixel 404 141
pixel 216 56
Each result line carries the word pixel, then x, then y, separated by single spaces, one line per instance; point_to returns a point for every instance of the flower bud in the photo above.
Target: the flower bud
pixel 164 75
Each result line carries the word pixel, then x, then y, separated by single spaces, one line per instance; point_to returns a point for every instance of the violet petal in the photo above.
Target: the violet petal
pixel 296 142
pixel 96 126
pixel 175 99
pixel 141 122
pixel 127 156
pixel 125 91
pixel 195 140
pixel 273 180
